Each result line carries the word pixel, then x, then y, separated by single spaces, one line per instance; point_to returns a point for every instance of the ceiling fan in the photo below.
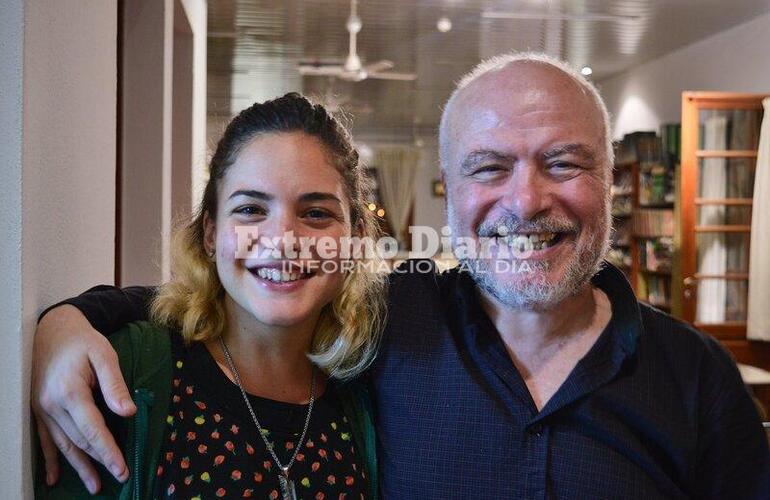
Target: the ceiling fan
pixel 353 69
pixel 336 103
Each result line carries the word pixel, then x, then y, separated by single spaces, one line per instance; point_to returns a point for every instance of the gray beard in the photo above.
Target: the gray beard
pixel 538 294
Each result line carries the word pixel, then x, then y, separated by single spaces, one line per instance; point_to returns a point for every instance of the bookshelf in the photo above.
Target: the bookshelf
pixel 643 215
pixel 720 136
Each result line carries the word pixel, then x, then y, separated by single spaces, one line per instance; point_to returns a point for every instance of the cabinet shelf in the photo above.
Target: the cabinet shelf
pixel 702 153
pixel 725 201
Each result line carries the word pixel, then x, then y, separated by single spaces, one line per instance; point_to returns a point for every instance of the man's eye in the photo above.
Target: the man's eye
pixel 563 166
pixel 488 170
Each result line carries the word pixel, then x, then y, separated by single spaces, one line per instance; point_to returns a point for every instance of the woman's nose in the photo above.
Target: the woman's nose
pixel 279 232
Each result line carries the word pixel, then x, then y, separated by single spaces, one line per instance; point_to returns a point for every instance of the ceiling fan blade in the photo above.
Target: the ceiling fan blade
pixel 353 76
pixel 379 66
pixel 321 61
pixel 403 77
pixel 320 70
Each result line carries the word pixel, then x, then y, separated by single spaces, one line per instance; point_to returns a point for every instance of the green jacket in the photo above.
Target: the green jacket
pixel 144 351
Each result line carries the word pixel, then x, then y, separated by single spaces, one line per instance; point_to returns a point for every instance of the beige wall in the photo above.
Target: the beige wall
pixel 146 140
pixel 14 357
pixel 428 209
pixel 197 12
pixel 58 62
pixel 152 181
pixel 57 141
pixel 734 60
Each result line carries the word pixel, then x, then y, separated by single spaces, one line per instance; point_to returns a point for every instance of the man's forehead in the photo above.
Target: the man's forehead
pixel 523 93
pixel 523 84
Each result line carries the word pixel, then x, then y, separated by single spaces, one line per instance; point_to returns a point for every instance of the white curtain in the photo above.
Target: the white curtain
pixel 758 322
pixel 396 169
pixel 712 254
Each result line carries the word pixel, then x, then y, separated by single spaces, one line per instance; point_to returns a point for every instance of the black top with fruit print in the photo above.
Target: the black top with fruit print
pixel 212 450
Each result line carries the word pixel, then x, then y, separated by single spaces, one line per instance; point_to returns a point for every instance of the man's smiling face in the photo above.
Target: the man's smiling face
pixel 526 163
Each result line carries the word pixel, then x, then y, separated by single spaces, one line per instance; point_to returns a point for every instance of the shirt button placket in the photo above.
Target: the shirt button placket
pixel 538 446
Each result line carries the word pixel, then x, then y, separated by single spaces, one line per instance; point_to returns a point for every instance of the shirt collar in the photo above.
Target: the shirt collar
pixel 626 322
pixel 604 361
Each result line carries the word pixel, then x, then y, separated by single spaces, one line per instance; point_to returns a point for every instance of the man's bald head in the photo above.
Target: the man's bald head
pixel 527 161
pixel 497 73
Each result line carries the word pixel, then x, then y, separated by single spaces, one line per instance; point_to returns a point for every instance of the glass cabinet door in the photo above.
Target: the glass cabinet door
pixel 717 185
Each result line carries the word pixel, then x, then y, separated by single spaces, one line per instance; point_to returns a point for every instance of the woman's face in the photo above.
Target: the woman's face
pixel 280 185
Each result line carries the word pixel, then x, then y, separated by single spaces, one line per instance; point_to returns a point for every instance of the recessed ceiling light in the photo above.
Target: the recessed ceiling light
pixel 586 71
pixel 444 24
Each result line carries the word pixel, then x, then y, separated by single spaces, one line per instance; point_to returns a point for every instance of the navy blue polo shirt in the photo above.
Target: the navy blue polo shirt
pixel 654 410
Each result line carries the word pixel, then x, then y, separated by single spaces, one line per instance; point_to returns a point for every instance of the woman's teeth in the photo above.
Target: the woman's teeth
pixel 277 275
pixel 523 242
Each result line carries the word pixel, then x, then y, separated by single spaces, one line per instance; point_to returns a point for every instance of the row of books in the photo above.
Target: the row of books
pixel 656 254
pixel 656 185
pixel 642 147
pixel 652 223
pixel 656 290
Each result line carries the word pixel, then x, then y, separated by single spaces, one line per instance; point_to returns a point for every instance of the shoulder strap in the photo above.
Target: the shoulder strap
pixel 144 352
pixel 357 406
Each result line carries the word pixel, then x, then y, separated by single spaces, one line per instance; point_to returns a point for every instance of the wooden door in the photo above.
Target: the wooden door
pixel 720 136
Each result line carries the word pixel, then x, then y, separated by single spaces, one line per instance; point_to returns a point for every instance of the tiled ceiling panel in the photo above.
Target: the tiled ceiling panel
pixel 255 47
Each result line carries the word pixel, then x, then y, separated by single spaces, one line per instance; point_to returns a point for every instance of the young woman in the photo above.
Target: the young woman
pixel 239 377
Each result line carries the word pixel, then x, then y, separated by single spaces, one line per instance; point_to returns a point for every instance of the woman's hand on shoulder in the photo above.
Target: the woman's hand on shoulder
pixel 68 358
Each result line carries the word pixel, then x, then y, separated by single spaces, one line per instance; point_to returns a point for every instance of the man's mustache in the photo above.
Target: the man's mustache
pixel 511 224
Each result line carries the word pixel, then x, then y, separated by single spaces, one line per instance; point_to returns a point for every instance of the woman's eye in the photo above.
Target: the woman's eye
pixel 317 214
pixel 249 210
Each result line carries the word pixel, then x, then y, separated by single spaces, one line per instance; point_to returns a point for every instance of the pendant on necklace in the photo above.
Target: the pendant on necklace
pixel 287 486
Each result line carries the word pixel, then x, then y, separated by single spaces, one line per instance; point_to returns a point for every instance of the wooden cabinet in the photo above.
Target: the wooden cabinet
pixel 720 136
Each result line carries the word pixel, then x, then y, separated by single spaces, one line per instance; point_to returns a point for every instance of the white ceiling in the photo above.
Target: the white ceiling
pixel 255 45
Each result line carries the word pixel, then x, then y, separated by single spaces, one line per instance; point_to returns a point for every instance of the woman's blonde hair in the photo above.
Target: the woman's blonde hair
pixel 347 333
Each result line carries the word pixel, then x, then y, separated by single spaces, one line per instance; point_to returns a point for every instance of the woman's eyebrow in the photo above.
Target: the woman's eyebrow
pixel 251 193
pixel 319 196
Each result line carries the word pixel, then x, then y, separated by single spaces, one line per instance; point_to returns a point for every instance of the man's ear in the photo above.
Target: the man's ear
pixel 209 234
pixel 443 181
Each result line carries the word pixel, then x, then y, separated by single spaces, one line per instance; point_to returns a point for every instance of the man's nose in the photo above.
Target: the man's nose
pixel 526 193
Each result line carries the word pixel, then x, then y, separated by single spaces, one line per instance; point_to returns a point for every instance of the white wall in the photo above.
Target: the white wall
pixel 57 141
pixel 733 60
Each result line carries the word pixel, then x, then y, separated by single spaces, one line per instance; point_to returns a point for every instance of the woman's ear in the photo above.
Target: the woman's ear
pixel 209 235
pixel 358 228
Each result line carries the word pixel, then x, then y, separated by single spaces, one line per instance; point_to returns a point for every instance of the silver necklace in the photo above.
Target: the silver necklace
pixel 288 492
